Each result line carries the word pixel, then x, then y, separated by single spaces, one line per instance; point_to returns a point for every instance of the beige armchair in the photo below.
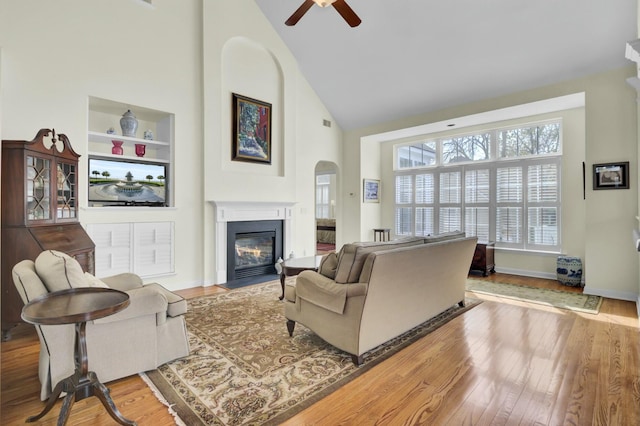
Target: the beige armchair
pixel 148 333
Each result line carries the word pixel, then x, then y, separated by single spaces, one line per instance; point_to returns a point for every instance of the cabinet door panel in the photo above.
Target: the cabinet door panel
pixel 113 248
pixel 142 248
pixel 153 248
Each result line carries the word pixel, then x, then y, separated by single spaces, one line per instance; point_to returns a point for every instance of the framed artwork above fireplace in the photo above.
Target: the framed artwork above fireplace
pixel 251 130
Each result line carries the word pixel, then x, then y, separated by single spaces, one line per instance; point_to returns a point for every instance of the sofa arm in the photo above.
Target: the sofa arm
pixel 326 293
pixel 123 282
pixel 142 301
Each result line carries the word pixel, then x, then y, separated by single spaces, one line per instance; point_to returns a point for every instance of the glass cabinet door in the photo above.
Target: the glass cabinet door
pixel 66 191
pixel 38 188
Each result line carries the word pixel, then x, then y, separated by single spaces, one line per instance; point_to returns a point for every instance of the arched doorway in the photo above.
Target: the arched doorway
pixel 326 190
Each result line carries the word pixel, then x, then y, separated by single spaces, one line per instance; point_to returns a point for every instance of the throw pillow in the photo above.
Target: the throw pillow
pixel 59 271
pixel 328 265
pixel 92 281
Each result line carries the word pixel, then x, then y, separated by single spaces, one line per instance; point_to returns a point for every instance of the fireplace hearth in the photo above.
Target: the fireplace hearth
pixel 253 248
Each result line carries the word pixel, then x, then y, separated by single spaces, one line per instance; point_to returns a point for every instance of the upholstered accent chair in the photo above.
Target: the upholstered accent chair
pixel 148 333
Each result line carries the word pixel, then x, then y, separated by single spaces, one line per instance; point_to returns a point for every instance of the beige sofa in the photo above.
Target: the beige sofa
pixel 148 333
pixel 372 292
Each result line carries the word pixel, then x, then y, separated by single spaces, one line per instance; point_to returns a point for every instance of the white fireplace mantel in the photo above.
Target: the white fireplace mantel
pixel 238 211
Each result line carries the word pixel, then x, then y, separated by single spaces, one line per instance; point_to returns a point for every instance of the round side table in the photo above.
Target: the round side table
pixel 77 306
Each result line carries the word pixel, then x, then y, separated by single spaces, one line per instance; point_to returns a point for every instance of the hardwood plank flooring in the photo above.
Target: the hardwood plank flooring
pixel 502 362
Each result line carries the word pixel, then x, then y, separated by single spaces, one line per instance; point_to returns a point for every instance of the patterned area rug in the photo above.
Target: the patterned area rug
pixel 559 299
pixel 244 369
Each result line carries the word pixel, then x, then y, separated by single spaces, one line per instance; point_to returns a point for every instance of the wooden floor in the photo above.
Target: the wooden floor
pixel 502 362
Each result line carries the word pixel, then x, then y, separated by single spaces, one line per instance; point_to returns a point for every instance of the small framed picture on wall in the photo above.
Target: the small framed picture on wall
pixel 371 191
pixel 611 175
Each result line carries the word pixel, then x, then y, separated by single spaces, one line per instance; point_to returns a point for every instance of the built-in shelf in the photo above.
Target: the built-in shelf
pixel 106 137
pixel 104 116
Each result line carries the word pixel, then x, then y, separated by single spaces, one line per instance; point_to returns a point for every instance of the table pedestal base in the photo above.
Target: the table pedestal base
pixel 77 388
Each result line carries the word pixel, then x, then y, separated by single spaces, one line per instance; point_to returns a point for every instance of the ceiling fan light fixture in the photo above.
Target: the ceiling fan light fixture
pixel 324 3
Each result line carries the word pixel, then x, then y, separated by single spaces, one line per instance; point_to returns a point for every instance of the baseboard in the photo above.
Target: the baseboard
pixel 612 294
pixel 526 273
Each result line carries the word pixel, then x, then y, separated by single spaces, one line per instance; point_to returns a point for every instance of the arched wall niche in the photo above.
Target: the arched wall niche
pixel 249 69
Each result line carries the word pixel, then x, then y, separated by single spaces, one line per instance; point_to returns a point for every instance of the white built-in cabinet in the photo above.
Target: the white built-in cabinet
pixel 144 248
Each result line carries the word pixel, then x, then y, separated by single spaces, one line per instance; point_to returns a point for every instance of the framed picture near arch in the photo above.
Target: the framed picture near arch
pixel 371 190
pixel 611 175
pixel 251 130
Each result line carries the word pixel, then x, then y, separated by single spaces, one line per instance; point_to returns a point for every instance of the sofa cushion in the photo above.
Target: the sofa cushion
pixel 59 271
pixel 328 265
pixel 352 256
pixel 444 236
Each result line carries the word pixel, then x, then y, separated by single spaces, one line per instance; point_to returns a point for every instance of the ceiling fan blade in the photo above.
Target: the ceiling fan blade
pixel 347 13
pixel 304 7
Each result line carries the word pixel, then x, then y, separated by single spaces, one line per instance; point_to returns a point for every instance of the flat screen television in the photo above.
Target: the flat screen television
pixel 127 183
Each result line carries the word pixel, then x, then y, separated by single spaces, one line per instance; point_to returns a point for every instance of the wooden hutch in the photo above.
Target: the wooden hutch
pixel 39 210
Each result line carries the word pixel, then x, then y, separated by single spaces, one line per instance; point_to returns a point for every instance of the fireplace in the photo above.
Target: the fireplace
pixel 253 248
pixel 247 211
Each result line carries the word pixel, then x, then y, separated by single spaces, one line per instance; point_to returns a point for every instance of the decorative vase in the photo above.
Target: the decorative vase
pixel 140 149
pixel 129 124
pixel 148 135
pixel 569 271
pixel 117 148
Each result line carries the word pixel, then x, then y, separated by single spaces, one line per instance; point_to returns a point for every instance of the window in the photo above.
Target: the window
pixel 501 185
pixel 416 155
pixel 323 183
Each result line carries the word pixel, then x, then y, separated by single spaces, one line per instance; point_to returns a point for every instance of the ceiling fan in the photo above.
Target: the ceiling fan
pixel 340 5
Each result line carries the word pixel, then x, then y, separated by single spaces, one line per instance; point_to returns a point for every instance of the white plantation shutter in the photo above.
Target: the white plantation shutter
pixel 450 212
pixel 425 199
pixel 450 219
pixel 450 188
pixel 476 186
pixel 509 199
pixel 509 225
pixel 542 183
pixel 404 189
pixel 425 190
pixel 476 222
pixel 509 185
pixel 543 196
pixel 477 198
pixel 403 220
pixel 510 194
pixel 543 225
pixel 424 221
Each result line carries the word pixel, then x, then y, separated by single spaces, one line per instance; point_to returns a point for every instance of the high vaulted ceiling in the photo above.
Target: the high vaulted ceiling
pixel 410 57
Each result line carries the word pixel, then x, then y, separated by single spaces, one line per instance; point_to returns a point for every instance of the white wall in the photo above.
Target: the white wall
pixel 599 227
pixel 185 58
pixel 57 54
pixel 244 54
